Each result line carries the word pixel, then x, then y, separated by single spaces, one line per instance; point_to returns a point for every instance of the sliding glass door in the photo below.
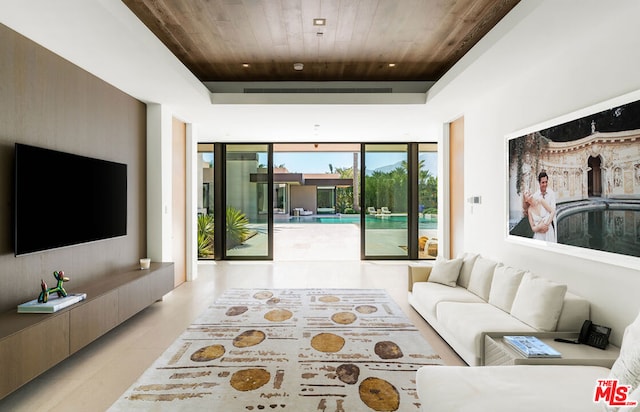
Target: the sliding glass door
pixel 384 228
pixel 248 198
pixel 427 201
pixel 206 223
pixel 396 196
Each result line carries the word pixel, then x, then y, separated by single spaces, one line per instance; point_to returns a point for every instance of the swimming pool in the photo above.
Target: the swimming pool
pixel 372 222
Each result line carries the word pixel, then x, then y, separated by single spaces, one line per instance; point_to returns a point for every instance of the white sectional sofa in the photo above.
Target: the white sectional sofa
pixel 465 297
pixel 534 388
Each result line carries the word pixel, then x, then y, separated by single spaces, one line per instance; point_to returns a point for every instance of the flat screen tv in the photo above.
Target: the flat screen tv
pixel 62 199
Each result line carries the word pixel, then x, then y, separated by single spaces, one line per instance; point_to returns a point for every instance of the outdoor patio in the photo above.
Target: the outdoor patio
pixel 317 241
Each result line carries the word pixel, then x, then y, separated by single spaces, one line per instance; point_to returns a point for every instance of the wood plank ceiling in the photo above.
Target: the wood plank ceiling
pixel 260 40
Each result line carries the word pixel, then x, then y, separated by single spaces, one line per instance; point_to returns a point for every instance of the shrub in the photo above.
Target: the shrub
pixel 237 230
pixel 205 235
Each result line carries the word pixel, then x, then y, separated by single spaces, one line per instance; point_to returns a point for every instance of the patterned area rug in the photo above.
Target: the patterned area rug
pixel 330 350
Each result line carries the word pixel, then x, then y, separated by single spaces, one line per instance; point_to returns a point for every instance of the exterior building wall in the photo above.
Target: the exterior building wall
pixel 303 196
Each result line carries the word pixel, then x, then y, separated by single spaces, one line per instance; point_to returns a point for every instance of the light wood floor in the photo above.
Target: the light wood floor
pixel 95 377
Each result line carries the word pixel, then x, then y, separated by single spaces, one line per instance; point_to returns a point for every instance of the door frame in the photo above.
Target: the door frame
pixel 220 190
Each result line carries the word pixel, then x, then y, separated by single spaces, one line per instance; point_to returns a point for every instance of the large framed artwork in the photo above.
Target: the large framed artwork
pixel 574 183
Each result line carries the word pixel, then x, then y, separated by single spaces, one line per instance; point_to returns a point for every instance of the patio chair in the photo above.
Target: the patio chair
pixel 371 210
pixel 385 210
pixel 300 211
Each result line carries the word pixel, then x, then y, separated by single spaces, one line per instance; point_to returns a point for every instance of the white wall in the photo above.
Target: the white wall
pixel 545 60
pixel 159 183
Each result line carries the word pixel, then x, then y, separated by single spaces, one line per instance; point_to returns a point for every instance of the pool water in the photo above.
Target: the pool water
pixel 371 222
pixel 616 231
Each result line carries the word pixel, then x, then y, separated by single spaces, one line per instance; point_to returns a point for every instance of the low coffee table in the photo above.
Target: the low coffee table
pixel 498 352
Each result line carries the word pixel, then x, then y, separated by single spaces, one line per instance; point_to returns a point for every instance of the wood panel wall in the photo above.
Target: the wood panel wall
pixel 456 187
pixel 47 101
pixel 179 199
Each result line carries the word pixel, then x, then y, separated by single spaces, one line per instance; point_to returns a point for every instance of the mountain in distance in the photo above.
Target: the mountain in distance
pixel 430 163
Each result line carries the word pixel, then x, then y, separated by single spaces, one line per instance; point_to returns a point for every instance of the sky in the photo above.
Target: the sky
pixel 319 162
pixel 306 162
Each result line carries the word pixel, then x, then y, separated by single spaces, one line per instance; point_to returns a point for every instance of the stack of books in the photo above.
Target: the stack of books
pixel 54 304
pixel 531 347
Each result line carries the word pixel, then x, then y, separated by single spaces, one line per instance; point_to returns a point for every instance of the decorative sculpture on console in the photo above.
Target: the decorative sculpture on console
pixel 44 295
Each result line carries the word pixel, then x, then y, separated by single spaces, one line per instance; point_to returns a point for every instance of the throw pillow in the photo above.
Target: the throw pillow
pixel 538 302
pixel 626 369
pixel 468 259
pixel 445 272
pixel 504 286
pixel 481 276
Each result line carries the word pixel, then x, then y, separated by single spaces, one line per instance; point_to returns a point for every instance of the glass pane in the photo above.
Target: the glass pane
pixel 247 200
pixel 326 197
pixel 386 190
pixel 427 200
pixel 205 201
pixel 280 198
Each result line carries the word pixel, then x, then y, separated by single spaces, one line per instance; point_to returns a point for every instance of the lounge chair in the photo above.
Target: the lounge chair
pixel 385 210
pixel 299 211
pixel 372 210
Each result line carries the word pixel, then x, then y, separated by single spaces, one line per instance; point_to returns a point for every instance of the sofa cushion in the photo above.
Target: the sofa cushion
pixel 467 321
pixel 481 276
pixel 626 369
pixel 468 259
pixel 430 294
pixel 504 286
pixel 446 271
pixel 523 388
pixel 575 309
pixel 538 302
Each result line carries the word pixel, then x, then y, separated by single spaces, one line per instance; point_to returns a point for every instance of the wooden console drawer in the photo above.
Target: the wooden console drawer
pixel 27 354
pixel 92 319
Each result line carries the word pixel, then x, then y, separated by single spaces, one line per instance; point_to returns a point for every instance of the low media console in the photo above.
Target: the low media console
pixel 32 343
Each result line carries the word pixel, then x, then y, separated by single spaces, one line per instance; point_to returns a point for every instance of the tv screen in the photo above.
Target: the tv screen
pixel 62 199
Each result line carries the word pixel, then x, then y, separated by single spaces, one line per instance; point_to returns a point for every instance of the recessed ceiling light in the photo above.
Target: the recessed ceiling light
pixel 245 64
pixel 319 22
pixel 392 65
pixel 298 66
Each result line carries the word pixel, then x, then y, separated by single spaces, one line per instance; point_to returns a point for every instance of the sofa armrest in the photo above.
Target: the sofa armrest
pixel 418 273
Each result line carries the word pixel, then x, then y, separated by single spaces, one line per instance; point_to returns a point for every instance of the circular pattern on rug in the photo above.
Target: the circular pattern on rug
pixel 379 395
pixel 263 295
pixel 366 309
pixel 278 315
pixel 273 301
pixel 348 373
pixel 248 338
pixel 208 353
pixel 388 350
pixel 344 318
pixel 249 379
pixel 329 299
pixel 327 342
pixel 236 310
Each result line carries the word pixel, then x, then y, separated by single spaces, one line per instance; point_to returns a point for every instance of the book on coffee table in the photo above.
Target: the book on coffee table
pixel 54 303
pixel 531 347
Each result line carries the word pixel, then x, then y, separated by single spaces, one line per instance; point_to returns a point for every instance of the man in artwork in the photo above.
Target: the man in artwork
pixel 549 197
